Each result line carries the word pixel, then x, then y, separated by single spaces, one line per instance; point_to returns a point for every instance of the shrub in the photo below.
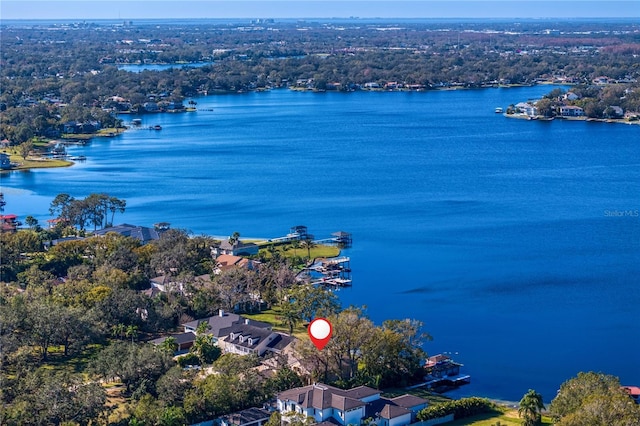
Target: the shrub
pixel 465 407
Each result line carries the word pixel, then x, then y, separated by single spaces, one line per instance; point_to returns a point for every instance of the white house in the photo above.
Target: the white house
pixel 241 336
pixel 527 108
pixel 329 404
pixel 571 111
pixel 570 96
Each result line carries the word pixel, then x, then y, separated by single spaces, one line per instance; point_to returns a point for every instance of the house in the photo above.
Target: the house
pixel 141 233
pixel 9 223
pixel 184 341
pixel 236 248
pixel 570 96
pixel 151 107
pixel 5 161
pixel 571 111
pixel 228 261
pixel 527 109
pixel 634 392
pixel 614 111
pixel 236 334
pixel 249 417
pixel 337 406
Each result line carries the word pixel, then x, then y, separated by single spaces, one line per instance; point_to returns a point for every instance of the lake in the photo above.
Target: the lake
pixel 517 243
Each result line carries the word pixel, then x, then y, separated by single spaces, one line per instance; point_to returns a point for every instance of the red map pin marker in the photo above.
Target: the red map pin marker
pixel 320 332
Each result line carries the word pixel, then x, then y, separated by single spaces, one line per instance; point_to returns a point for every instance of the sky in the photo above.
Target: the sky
pixel 181 9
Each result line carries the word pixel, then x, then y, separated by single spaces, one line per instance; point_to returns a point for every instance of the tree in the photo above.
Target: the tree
pixel 594 399
pixel 234 238
pixel 48 397
pixel 205 348
pixel 115 205
pixel 545 107
pixel 311 301
pixel 308 244
pixel 60 203
pixel 394 355
pixel 169 345
pixel 352 331
pixel 139 366
pixel 25 149
pixel 132 331
pixel 530 406
pixel 289 315
pixel 118 330
pixel 31 222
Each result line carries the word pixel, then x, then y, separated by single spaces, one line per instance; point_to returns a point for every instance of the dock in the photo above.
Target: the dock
pixel 334 272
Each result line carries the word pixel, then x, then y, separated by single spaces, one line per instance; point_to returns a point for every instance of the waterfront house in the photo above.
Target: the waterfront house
pixel 634 392
pixel 227 261
pixel 236 334
pixel 140 233
pixel 570 96
pixel 343 407
pixel 235 248
pixel 5 161
pixel 614 112
pixel 527 109
pixel 571 111
pixel 151 107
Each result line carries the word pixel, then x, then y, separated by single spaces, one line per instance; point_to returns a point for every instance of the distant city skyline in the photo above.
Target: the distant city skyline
pixel 211 9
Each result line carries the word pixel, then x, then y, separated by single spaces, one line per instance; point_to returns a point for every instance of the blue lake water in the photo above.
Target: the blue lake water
pixel 515 242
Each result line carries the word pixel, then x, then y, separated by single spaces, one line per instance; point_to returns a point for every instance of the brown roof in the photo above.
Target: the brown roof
pixel 392 411
pixel 408 401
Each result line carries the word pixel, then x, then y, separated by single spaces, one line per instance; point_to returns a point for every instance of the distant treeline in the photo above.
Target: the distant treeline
pixel 45 67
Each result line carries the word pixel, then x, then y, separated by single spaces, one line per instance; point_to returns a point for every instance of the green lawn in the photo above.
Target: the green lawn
pixel 432 397
pixel 34 162
pixel 75 363
pixel 507 418
pixel 286 250
pixel 271 316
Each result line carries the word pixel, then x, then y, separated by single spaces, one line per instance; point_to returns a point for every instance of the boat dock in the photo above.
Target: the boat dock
pixel 335 272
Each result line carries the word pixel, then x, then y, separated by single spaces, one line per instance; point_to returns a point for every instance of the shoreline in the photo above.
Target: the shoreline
pixel 586 119
pixel 41 162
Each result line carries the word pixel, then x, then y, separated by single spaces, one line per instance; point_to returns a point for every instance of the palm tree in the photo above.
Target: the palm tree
pixel 170 345
pixel 295 245
pixel 308 244
pixel 132 331
pixel 118 330
pixel 289 315
pixel 530 406
pixel 234 238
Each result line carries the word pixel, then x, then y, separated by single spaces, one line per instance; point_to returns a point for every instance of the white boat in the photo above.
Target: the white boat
pixel 499 110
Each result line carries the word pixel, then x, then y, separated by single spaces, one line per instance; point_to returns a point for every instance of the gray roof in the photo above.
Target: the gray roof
pixel 408 401
pixel 396 407
pixel 280 342
pixel 141 233
pixel 246 332
pixel 181 338
pixel 250 415
pixel 220 325
pixel 320 396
